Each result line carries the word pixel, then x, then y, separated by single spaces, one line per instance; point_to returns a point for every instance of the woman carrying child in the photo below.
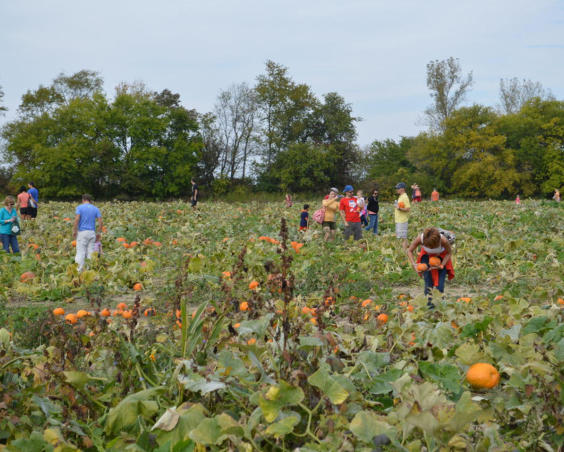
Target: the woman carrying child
pixel 433 245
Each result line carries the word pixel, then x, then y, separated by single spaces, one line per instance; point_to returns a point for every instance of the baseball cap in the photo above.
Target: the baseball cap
pixel 400 185
pixel 348 188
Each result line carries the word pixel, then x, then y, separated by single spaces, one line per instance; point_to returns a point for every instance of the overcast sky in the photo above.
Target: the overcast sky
pixel 371 52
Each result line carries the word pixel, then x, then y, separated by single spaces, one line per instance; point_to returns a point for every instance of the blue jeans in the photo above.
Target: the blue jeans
pixel 428 278
pixel 373 223
pixel 10 240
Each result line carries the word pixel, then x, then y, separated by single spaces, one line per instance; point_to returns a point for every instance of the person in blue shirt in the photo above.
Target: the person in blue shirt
pixel 33 201
pixel 84 230
pixel 304 218
pixel 8 216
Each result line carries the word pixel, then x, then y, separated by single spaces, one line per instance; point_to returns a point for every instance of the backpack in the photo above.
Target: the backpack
pixel 449 235
pixel 319 215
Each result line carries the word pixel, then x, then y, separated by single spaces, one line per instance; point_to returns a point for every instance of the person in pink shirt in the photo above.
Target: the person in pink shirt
pixel 23 203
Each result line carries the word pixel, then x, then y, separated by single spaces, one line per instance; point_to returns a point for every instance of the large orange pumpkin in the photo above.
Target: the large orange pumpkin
pixel 434 261
pixel 58 311
pixel 382 318
pixel 482 375
pixel 27 276
pixel 422 267
pixel 71 318
pixel 138 286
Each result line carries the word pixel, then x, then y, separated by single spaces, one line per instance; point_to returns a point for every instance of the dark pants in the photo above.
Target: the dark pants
pixel 363 220
pixel 354 229
pixel 428 278
pixel 373 223
pixel 9 240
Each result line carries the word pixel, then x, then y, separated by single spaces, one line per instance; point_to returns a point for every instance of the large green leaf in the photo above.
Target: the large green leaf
pixel 328 385
pixel 125 413
pixel 366 425
pixel 444 374
pixel 279 396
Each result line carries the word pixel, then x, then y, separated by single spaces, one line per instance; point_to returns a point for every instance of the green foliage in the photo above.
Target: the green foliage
pixel 70 140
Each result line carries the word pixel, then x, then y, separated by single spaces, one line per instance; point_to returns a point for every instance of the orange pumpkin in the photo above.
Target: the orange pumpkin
pixel 27 276
pixel 71 318
pixel 482 375
pixel 401 205
pixel 138 286
pixel 422 267
pixel 105 312
pixel 382 318
pixel 82 313
pixel 58 311
pixel 253 285
pixel 434 261
pixel 244 306
pixel 121 306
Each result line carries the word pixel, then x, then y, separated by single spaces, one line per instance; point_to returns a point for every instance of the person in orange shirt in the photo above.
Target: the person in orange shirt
pixel 434 195
pixel 23 203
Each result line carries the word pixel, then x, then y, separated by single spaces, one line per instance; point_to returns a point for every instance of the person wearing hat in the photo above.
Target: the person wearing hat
pixel 350 213
pixel 401 214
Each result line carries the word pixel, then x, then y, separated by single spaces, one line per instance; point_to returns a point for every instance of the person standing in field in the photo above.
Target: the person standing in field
pixel 433 245
pixel 84 230
pixel 350 213
pixel 304 218
pixel 401 214
pixel 372 208
pixel 362 205
pixel 416 193
pixel 8 216
pixel 434 195
pixel 33 200
pixel 195 194
pixel 288 200
pixel 331 205
pixel 556 196
pixel 23 203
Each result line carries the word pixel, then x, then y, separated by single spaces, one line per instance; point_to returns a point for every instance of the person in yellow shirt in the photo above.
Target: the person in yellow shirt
pixel 401 214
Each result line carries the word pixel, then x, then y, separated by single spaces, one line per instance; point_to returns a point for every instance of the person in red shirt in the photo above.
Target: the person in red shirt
pixel 350 213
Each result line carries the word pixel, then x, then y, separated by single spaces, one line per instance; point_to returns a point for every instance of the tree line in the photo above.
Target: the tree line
pixel 70 137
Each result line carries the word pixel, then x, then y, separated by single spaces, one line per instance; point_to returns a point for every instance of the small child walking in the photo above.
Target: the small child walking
pixel 434 247
pixel 304 218
pixel 98 245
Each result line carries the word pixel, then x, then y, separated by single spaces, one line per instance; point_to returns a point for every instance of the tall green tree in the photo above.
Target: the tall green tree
pixel 332 124
pixel 69 139
pixel 303 167
pixel 284 107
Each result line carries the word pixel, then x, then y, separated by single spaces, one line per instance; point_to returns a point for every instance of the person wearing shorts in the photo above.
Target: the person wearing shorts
pixel 23 203
pixel 331 205
pixel 401 214
pixel 350 213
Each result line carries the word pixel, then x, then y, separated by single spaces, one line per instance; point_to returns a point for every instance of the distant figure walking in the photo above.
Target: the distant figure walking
pixel 416 193
pixel 23 203
pixel 372 208
pixel 434 195
pixel 304 218
pixel 556 196
pixel 288 199
pixel 84 230
pixel 195 194
pixel 9 217
pixel 33 201
pixel 518 200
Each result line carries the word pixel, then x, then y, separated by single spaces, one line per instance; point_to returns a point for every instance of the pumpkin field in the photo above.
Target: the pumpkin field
pixel 226 328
